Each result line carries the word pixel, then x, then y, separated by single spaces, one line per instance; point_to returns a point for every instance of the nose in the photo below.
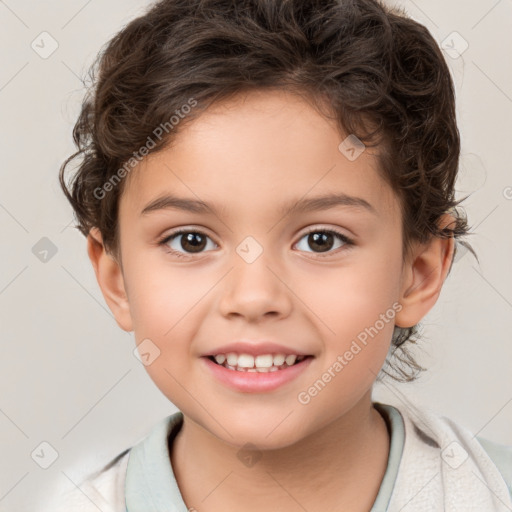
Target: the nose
pixel 255 290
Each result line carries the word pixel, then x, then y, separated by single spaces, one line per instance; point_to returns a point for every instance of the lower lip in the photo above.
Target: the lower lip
pixel 256 382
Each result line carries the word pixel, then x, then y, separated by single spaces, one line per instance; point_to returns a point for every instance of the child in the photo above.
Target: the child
pixel 254 131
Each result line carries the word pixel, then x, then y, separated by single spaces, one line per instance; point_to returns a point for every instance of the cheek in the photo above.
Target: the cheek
pixel 162 308
pixel 158 295
pixel 166 307
pixel 357 304
pixel 354 296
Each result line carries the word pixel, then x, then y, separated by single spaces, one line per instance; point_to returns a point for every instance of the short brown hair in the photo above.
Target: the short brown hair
pixel 381 75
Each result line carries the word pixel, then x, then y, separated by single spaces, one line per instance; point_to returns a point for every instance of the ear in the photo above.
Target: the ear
pixel 110 278
pixel 423 276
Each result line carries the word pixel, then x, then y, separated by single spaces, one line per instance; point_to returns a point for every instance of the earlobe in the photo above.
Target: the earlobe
pixel 423 277
pixel 110 279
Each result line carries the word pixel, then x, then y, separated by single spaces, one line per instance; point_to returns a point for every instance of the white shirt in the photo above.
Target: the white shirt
pixel 433 465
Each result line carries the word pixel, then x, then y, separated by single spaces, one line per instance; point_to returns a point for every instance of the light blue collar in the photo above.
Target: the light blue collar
pixel 396 428
pixel 151 485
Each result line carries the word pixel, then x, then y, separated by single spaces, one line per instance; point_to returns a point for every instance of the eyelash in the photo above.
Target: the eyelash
pixel 164 241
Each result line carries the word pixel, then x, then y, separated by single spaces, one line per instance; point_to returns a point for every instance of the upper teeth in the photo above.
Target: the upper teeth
pixel 261 361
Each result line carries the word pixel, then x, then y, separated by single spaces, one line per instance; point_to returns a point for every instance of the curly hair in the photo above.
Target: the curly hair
pixel 380 75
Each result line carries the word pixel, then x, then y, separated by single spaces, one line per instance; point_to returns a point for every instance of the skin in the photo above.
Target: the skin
pixel 250 155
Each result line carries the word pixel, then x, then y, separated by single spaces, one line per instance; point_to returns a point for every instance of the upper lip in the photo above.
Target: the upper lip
pixel 255 348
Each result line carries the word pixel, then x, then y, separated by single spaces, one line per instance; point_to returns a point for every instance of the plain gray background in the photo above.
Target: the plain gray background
pixel 68 375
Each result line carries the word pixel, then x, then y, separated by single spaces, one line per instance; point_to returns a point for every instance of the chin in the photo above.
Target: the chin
pixel 262 435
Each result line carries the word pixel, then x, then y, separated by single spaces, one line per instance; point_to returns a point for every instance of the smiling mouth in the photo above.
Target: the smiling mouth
pixel 260 364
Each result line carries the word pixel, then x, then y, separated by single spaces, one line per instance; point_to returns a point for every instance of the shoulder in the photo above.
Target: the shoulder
pixel 105 489
pixel 481 450
pixel 436 444
pixel 102 490
pixel 501 455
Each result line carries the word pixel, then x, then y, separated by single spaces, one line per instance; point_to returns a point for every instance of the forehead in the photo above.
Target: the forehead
pixel 258 150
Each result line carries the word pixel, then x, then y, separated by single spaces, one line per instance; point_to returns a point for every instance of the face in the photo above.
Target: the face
pixel 314 282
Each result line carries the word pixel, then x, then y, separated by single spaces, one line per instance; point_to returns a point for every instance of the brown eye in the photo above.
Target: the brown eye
pixel 321 241
pixel 186 242
pixel 193 242
pixel 324 240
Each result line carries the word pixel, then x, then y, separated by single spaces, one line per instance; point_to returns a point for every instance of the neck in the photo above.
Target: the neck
pixel 346 460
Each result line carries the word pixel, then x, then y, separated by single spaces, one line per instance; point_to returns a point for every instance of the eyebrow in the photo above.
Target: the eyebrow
pixel 324 202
